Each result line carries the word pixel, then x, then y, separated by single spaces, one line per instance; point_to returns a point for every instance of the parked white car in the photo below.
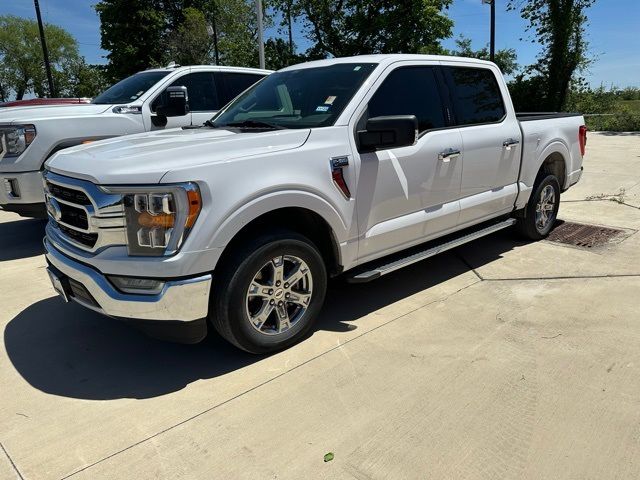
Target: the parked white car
pixel 30 135
pixel 354 166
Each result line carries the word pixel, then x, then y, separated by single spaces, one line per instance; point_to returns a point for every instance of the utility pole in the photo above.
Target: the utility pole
pixel 492 47
pixel 211 30
pixel 45 52
pixel 260 33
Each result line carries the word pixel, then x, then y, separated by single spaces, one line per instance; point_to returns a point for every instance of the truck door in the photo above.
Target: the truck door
pixel 491 138
pixel 407 195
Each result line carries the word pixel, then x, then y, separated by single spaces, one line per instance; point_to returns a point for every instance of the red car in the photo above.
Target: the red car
pixel 44 101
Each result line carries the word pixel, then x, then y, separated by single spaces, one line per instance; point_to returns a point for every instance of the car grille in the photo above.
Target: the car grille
pixel 86 239
pixel 68 194
pixel 82 214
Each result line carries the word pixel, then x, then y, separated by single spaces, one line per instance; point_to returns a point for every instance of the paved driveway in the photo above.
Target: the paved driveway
pixel 501 359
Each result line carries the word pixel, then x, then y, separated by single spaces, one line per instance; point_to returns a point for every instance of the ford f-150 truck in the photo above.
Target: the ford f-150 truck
pixel 29 136
pixel 350 166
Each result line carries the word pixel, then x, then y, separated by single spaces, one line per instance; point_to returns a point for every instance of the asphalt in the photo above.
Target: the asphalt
pixel 500 359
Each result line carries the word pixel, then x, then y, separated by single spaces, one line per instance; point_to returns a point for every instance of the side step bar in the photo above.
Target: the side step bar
pixel 382 269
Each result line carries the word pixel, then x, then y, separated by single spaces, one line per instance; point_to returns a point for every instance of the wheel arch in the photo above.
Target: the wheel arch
pixel 307 215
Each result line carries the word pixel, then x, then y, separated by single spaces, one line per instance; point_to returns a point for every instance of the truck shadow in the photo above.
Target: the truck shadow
pixel 21 239
pixel 69 351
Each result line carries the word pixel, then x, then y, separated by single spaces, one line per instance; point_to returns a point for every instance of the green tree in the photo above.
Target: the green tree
pixel 133 33
pixel 506 58
pixel 352 27
pixel 190 43
pixel 21 62
pixel 87 80
pixel 559 27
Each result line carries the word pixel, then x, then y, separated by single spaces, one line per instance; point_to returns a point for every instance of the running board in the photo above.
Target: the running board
pixel 384 268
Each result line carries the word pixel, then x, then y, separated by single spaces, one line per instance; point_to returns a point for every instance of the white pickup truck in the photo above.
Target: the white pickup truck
pixel 30 135
pixel 349 166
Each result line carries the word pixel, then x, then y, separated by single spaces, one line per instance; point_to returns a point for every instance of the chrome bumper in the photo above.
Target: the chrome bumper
pixel 179 300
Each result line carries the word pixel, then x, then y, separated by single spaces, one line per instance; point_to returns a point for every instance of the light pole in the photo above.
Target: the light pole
pixel 492 47
pixel 45 52
pixel 260 33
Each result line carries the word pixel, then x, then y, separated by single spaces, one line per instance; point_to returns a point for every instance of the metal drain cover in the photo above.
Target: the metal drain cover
pixel 585 236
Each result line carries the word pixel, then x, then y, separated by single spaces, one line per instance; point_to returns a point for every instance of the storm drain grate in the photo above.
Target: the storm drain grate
pixel 585 236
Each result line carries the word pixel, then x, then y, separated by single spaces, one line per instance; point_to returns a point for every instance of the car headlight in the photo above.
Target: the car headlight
pixel 159 219
pixel 16 138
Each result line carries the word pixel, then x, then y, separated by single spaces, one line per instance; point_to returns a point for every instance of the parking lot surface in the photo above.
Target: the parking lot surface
pixel 500 359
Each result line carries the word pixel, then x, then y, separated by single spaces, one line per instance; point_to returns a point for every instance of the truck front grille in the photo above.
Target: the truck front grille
pixel 86 239
pixel 68 194
pixel 82 214
pixel 75 217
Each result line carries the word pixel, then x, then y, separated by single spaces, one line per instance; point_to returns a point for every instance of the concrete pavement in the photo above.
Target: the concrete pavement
pixel 501 359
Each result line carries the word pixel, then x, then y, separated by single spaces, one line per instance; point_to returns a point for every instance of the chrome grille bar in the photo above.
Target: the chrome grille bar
pixel 104 213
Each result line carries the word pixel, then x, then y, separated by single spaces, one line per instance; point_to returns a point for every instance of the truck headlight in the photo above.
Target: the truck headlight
pixel 16 138
pixel 159 219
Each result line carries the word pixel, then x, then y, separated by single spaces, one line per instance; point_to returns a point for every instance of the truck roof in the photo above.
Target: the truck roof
pixel 214 68
pixel 385 59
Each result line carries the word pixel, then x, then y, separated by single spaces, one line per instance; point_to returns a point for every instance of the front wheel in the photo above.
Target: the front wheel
pixel 269 292
pixel 542 210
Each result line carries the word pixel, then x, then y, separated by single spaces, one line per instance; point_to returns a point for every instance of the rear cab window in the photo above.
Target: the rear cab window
pixel 475 95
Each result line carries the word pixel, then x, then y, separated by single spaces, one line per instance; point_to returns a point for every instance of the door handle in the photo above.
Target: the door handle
pixel 448 154
pixel 510 142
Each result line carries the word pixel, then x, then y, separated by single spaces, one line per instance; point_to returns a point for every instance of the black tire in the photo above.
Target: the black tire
pixel 528 225
pixel 229 307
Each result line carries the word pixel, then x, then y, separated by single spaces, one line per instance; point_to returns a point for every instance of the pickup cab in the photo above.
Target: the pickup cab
pixel 348 166
pixel 29 136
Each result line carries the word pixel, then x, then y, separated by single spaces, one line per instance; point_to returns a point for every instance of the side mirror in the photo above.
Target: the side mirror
pixel 177 103
pixel 388 132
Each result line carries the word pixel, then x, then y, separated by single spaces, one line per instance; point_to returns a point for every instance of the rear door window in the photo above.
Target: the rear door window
pixel 233 84
pixel 410 91
pixel 475 95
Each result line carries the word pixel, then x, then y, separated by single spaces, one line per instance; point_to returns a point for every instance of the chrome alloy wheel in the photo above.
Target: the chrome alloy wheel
pixel 545 208
pixel 279 294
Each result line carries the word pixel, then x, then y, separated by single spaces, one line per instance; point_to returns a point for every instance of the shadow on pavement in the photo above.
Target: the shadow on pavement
pixel 66 350
pixel 21 239
pixel 620 134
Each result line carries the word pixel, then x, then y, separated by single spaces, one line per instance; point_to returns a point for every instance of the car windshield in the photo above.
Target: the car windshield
pixel 129 89
pixel 301 98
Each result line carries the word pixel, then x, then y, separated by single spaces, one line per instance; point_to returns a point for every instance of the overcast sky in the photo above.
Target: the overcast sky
pixel 613 33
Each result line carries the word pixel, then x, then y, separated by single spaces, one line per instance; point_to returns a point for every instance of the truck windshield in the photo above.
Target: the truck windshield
pixel 129 89
pixel 301 98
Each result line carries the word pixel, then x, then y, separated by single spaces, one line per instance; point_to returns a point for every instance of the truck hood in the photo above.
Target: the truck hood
pixel 145 158
pixel 45 112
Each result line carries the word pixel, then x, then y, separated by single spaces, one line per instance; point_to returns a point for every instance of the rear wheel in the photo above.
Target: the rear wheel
pixel 269 292
pixel 542 210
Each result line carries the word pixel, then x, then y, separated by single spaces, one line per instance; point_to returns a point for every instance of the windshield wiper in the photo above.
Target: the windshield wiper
pixel 254 124
pixel 210 124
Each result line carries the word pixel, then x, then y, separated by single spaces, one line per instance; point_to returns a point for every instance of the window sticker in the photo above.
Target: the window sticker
pixel 355 69
pixel 322 108
pixel 330 99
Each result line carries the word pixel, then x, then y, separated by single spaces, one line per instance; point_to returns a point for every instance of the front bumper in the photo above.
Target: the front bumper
pixel 21 188
pixel 184 300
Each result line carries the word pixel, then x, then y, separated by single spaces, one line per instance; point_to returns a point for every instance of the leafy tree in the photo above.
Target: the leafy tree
pixel 559 27
pixel 132 31
pixel 86 80
pixel 352 27
pixel 190 43
pixel 21 62
pixel 278 54
pixel 506 58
